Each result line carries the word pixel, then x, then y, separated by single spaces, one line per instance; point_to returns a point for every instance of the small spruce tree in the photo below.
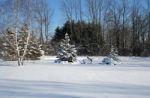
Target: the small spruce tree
pixel 112 58
pixel 113 54
pixel 66 52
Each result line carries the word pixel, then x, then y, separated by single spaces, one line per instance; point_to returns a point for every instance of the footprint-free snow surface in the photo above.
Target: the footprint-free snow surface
pixel 45 79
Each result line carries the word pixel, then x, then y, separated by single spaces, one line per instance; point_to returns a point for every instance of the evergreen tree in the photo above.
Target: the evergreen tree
pixel 28 45
pixel 9 45
pixel 66 52
pixel 88 39
pixel 22 38
pixel 33 48
pixel 113 54
pixel 112 58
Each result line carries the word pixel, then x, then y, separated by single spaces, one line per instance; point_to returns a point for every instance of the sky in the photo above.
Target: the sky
pixel 57 19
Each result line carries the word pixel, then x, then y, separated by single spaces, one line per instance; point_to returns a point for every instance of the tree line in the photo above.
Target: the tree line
pixel 94 26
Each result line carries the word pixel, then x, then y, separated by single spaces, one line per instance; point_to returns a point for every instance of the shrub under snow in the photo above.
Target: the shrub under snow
pixel 88 60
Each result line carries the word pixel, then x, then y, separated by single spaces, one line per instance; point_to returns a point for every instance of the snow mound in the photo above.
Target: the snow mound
pixel 110 61
pixel 66 62
pixel 1 60
pixel 88 60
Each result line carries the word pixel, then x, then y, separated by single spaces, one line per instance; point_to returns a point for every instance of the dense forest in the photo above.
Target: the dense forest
pixel 93 26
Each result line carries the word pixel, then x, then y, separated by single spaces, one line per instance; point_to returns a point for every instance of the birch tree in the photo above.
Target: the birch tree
pixel 18 48
pixel 29 19
pixel 16 14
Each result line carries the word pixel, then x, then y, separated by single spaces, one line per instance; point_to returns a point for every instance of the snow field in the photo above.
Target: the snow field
pixel 45 79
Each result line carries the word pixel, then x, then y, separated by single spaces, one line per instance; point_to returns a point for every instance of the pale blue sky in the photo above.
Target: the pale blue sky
pixel 57 19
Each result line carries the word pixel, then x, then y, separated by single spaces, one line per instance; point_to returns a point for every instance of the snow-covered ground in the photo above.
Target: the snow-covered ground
pixel 45 79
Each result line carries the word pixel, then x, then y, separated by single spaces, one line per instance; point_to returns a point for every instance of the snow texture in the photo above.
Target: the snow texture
pixel 46 79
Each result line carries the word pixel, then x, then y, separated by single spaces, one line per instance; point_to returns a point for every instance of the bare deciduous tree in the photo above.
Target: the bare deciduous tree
pixel 43 15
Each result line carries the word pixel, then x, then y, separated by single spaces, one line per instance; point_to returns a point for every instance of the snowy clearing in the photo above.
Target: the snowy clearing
pixel 45 79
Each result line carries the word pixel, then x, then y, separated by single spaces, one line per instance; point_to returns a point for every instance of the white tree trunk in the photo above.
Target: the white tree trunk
pixel 16 14
pixel 25 49
pixel 28 37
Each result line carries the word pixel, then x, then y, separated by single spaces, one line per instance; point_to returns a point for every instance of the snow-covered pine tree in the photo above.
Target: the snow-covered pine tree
pixel 9 45
pixel 32 46
pixel 28 46
pixel 22 38
pixel 114 54
pixel 66 52
pixel 112 58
